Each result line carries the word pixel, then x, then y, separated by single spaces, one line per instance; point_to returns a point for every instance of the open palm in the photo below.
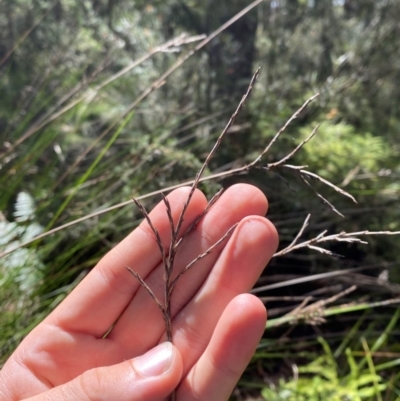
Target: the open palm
pixel 95 345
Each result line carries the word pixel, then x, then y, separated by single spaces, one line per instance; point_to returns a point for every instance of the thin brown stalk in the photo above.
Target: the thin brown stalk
pixel 215 147
pixel 283 129
pixel 202 256
pixel 169 213
pixel 328 183
pixel 146 287
pixel 301 231
pixel 199 218
pixel 154 229
pixel 172 227
pixel 295 150
pixel 329 204
pixel 322 238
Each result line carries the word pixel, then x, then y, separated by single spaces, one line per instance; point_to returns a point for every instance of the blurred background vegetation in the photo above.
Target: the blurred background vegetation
pixel 85 123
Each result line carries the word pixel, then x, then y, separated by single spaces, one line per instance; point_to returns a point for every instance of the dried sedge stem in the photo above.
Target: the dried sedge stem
pixel 329 204
pixel 202 256
pixel 169 214
pixel 283 129
pixel 146 287
pixel 172 229
pixel 312 314
pixel 294 151
pixel 215 147
pixel 300 233
pixel 322 238
pixel 155 231
pixel 199 217
pixel 328 183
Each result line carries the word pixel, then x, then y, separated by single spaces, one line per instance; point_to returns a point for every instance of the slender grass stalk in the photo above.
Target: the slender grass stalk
pixel 371 368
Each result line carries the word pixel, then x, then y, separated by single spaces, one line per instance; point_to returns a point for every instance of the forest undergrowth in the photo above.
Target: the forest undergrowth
pixel 97 118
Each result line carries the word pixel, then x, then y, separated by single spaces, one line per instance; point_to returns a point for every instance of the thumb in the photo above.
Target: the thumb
pixel 151 377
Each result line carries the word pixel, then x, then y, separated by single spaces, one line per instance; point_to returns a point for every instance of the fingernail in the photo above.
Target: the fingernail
pixel 154 362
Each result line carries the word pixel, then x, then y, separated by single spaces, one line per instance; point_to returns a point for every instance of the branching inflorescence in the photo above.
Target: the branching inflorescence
pixel 168 256
pixel 177 237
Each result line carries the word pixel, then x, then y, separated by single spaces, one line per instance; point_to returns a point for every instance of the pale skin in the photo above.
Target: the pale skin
pixel 216 323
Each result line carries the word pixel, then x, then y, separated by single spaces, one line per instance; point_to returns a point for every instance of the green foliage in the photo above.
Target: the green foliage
pixel 338 149
pixel 20 272
pixel 322 380
pixel 23 267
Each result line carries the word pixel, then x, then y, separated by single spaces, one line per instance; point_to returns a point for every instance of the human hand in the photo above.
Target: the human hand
pixel 216 324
